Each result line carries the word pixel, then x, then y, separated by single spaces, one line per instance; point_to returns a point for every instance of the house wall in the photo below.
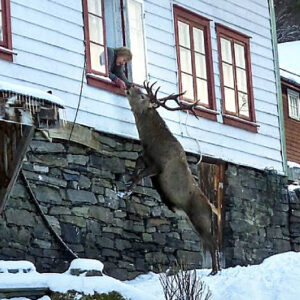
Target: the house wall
pixel 49 41
pixel 292 127
pixel 80 192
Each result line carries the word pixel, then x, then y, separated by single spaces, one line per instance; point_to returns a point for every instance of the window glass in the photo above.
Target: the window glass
pixel 97 58
pixel 199 40
pixel 243 104
pixel 228 75
pixel 230 100
pixel 226 50
pixel 184 34
pixel 200 63
pixel 187 85
pixel 96 29
pixel 95 7
pixel 137 46
pixel 239 55
pixel 202 91
pixel 185 60
pixel 293 99
pixel 241 80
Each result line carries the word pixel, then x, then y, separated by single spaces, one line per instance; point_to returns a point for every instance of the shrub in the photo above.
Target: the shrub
pixel 73 295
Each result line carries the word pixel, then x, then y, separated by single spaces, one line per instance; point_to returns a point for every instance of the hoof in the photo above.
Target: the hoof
pixel 213 272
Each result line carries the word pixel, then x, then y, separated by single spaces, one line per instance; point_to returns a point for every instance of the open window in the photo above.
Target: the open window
pixel 5 31
pixel 114 23
pixel 294 104
pixel 194 57
pixel 236 78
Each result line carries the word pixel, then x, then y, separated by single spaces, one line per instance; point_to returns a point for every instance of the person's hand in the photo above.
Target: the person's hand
pixel 120 83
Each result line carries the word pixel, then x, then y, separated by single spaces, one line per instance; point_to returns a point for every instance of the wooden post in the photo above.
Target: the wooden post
pixel 14 139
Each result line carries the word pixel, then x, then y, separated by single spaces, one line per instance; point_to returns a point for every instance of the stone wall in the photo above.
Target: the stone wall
pixel 80 192
pixel 257 216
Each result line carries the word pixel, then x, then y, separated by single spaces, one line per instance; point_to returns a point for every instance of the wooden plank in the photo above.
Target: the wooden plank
pixel 15 160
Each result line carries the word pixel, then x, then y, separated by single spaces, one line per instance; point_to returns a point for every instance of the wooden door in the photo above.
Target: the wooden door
pixel 211 180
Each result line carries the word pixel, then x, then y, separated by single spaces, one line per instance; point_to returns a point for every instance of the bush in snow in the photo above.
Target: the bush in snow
pixel 183 284
pixel 73 295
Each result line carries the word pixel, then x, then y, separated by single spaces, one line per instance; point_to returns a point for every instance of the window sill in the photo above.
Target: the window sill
pixel 6 54
pixel 206 113
pixel 103 83
pixel 240 123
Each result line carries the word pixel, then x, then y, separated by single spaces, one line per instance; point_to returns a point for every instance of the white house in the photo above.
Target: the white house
pixel 220 52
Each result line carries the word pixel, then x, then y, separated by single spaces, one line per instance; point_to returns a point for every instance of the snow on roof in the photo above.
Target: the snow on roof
pixel 27 91
pixel 289 61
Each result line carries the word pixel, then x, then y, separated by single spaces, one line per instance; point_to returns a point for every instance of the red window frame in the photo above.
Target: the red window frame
pixel 236 118
pixel 6 42
pixel 196 21
pixel 93 76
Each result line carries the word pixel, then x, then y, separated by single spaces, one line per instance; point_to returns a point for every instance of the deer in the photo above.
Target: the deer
pixel 163 159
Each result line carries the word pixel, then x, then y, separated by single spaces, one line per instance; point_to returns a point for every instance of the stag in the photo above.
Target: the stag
pixel 164 161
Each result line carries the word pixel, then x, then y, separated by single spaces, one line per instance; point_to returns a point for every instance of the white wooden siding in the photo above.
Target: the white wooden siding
pixel 48 38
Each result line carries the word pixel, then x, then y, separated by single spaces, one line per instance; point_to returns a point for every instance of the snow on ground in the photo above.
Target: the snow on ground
pixel 277 278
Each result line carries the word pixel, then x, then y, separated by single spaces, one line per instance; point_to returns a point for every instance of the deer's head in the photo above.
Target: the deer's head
pixel 141 102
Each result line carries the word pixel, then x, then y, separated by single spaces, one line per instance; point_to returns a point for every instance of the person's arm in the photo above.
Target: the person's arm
pixel 120 72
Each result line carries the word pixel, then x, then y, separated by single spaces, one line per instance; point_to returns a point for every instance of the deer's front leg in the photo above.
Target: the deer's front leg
pixel 141 171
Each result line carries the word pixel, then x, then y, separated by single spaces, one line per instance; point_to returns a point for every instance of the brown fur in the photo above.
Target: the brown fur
pixel 165 162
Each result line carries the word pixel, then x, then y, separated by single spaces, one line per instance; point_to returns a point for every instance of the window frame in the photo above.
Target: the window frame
pixel 194 20
pixel 6 44
pixel 231 118
pixel 290 93
pixel 95 78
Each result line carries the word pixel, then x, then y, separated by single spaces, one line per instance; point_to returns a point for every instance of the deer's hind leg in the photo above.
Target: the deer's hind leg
pixel 199 214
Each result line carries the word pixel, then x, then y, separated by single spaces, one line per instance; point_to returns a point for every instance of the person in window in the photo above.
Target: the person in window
pixel 117 58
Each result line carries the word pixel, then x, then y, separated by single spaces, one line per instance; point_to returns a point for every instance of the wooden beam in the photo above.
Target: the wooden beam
pixel 14 160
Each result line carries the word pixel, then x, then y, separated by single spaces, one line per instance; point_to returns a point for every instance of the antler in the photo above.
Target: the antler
pixel 162 102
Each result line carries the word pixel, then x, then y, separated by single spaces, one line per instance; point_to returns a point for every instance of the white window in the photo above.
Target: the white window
pixel 294 105
pixel 115 23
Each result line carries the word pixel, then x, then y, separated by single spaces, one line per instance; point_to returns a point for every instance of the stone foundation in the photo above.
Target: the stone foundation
pixel 80 192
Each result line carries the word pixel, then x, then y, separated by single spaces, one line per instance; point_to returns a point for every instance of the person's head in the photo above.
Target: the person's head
pixel 123 56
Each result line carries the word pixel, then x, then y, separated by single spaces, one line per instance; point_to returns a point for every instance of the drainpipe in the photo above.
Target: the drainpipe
pixel 278 87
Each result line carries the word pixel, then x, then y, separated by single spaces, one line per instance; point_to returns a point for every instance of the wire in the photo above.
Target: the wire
pixel 188 134
pixel 79 101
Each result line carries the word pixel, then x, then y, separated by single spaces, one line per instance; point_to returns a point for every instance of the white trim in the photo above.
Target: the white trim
pixel 292 93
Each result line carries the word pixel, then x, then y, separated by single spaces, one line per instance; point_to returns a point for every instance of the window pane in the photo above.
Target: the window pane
pixel 239 55
pixel 138 65
pixel 198 40
pixel 243 104
pixel 187 85
pixel 293 99
pixel 202 91
pixel 230 100
pixel 97 58
pixel 185 60
pixel 1 26
pixel 200 66
pixel 95 7
pixel 226 50
pixel 96 29
pixel 241 80
pixel 184 34
pixel 228 75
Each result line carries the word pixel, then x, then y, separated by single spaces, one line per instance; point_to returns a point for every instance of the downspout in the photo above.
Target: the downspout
pixel 278 87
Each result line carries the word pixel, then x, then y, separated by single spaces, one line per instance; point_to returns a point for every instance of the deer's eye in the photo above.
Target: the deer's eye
pixel 143 97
